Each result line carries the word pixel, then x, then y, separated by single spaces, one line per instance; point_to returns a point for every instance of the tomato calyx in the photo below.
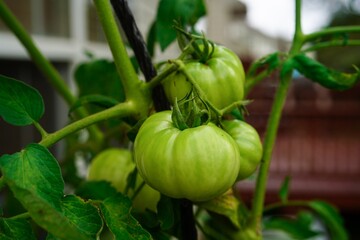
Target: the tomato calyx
pixel 190 112
pixel 198 47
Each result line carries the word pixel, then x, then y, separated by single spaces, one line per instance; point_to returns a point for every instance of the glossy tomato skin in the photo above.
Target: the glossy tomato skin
pixel 221 78
pixel 114 165
pixel 196 163
pixel 249 143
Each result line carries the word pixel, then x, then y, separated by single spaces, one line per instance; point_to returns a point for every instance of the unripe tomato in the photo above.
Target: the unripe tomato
pixel 196 163
pixel 114 165
pixel 249 144
pixel 221 78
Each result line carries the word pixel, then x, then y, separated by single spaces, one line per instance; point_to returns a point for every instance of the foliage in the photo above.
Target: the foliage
pixel 114 106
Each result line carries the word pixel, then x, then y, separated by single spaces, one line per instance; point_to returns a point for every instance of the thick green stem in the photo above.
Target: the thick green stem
pixel 136 90
pixel 121 110
pixel 271 130
pixel 49 71
pixel 269 142
pixel 39 59
pixel 122 61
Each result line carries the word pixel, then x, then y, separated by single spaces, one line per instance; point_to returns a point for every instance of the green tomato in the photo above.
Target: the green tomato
pixel 221 78
pixel 114 165
pixel 249 144
pixel 198 163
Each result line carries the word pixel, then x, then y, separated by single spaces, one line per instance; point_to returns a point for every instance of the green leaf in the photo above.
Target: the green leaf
pixel 298 228
pixel 37 172
pixel 116 212
pixel 168 212
pixel 95 99
pixel 149 220
pixel 15 229
pixel 271 61
pixel 326 77
pixel 284 190
pixel 83 215
pixel 151 39
pixel 96 190
pixel 332 219
pixel 227 205
pixel 34 177
pixel 20 104
pixel 99 77
pixel 187 12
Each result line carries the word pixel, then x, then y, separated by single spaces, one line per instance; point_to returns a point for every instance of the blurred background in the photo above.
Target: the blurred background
pixel 319 137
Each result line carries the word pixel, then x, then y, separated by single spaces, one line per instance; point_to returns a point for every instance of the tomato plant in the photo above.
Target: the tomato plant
pixel 188 152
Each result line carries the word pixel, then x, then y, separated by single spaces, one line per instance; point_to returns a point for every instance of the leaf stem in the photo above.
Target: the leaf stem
pixel 331 31
pixel 159 78
pixel 21 216
pixel 41 130
pixel 297 203
pixel 49 71
pixel 334 43
pixel 121 110
pixel 253 81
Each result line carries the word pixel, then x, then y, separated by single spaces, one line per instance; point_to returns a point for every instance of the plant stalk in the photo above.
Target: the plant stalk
pixel 120 110
pixel 122 61
pixel 44 65
pixel 271 130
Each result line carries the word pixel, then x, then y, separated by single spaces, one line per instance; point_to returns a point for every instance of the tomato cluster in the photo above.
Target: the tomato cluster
pixel 199 163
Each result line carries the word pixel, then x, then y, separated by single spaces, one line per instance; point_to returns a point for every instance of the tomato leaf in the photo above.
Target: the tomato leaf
pixel 99 77
pixel 331 217
pixel 96 190
pixel 83 215
pixel 20 104
pixel 298 228
pixel 34 177
pixel 226 205
pixel 94 99
pixel 326 77
pixel 284 189
pixel 35 171
pixel 187 12
pixel 271 61
pixel 116 212
pixel 16 229
pixel 168 212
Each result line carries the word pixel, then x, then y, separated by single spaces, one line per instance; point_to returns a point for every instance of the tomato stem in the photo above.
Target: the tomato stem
pixel 44 65
pixel 271 130
pixel 121 110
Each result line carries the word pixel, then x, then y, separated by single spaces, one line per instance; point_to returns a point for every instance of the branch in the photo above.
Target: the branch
pixel 120 110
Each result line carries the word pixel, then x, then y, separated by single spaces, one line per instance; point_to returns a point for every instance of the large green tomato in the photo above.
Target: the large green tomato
pixel 114 165
pixel 221 78
pixel 249 144
pixel 196 163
